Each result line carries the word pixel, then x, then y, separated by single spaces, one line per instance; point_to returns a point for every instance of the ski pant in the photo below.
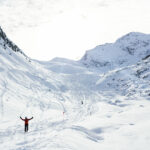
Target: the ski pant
pixel 26 127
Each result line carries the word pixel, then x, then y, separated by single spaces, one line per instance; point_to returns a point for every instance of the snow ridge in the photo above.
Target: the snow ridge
pixel 5 42
pixel 127 50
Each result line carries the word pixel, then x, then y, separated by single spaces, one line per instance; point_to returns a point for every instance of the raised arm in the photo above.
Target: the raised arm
pixel 31 118
pixel 21 118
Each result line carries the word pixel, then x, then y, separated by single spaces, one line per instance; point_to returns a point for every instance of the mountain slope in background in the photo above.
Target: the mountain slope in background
pixel 99 102
pixel 126 51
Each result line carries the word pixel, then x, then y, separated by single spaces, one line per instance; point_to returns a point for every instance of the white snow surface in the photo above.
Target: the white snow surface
pixel 99 102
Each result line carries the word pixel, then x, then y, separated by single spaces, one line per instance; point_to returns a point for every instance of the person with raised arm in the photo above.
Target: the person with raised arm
pixel 26 123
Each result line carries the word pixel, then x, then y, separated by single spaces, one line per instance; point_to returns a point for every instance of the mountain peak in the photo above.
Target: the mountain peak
pixel 134 36
pixel 127 50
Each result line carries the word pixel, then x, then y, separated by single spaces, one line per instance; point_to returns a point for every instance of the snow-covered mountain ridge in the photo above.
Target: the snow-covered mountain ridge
pixel 99 102
pixel 6 43
pixel 127 50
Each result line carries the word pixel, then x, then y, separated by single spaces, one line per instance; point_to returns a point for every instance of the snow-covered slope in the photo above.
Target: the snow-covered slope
pixel 99 102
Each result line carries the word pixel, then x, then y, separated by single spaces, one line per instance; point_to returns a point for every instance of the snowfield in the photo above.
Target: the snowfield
pixel 99 102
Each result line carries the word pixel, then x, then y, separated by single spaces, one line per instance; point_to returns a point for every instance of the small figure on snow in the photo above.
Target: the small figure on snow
pixel 26 123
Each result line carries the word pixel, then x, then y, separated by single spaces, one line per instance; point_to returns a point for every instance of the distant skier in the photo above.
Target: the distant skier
pixel 26 125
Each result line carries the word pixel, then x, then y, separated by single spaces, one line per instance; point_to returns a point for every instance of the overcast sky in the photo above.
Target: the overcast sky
pixel 45 29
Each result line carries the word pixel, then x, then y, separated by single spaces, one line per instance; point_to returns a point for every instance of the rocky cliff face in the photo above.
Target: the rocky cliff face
pixel 7 43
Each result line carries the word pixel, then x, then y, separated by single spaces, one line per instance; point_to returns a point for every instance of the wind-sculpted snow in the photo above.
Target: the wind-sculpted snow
pixel 100 102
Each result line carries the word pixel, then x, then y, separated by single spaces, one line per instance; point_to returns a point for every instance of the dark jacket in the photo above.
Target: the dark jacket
pixel 26 120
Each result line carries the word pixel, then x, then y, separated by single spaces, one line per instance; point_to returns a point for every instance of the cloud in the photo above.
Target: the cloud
pixel 103 3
